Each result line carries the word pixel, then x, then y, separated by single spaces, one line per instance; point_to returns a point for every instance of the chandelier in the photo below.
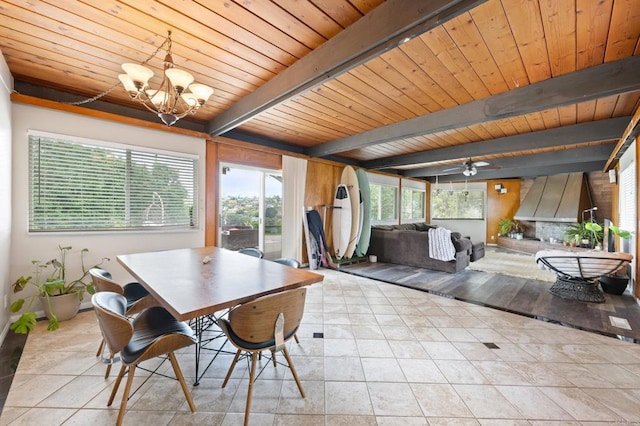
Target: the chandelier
pixel 170 101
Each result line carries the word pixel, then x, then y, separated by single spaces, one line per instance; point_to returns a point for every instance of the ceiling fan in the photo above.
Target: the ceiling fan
pixel 469 168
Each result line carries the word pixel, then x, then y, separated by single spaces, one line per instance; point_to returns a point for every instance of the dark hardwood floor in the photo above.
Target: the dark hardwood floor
pixel 518 295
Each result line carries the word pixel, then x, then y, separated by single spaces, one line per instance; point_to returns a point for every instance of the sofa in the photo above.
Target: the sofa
pixel 408 244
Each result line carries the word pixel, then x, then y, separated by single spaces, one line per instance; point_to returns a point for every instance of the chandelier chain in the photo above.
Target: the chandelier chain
pixel 112 88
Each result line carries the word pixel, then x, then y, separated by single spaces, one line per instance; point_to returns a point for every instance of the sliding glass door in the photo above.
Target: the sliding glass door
pixel 251 209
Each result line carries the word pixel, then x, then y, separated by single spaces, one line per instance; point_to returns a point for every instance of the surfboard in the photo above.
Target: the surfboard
pixel 341 221
pixel 365 235
pixel 350 180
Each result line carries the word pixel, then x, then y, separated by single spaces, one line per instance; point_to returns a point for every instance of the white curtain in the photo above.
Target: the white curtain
pixel 294 178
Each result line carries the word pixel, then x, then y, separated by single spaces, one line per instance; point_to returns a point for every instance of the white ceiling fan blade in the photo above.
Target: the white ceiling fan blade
pixel 450 170
pixel 481 164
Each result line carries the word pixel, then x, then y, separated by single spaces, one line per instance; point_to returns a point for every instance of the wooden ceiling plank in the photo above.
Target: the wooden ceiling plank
pixel 614 77
pixel 558 20
pixel 592 25
pixel 368 75
pixel 624 32
pixel 568 114
pixel 341 11
pixel 311 125
pixel 364 6
pixel 91 44
pixel 401 71
pixel 452 58
pixel 379 30
pixel 579 133
pixel 318 19
pixel 527 29
pixel 494 28
pixel 446 90
pixel 281 29
pixel 360 101
pixel 586 111
pixel 333 101
pixel 313 109
pixel 605 107
pixel 464 32
pixel 549 117
pixel 626 104
pixel 120 17
pixel 385 100
pixel 252 23
pixel 520 124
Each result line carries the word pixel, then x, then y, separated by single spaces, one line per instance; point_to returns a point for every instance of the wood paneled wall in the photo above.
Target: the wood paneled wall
pixel 501 205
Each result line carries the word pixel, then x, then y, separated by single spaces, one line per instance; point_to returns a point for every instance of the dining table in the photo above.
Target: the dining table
pixel 194 284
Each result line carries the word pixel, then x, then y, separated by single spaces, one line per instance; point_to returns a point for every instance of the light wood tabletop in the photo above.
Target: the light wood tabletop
pixel 189 288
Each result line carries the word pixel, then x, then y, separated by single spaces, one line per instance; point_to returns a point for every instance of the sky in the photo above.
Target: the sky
pixel 245 182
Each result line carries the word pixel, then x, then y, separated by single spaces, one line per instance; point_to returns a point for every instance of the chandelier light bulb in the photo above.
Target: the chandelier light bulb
pixel 175 97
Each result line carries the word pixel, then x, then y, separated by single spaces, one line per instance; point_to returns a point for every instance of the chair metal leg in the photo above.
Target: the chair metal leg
pixel 293 370
pixel 116 385
pixel 233 365
pixel 252 379
pixel 180 377
pixel 125 395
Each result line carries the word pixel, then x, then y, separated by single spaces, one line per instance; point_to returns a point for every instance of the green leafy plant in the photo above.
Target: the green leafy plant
pixel 591 231
pixel 505 226
pixel 619 232
pixel 49 279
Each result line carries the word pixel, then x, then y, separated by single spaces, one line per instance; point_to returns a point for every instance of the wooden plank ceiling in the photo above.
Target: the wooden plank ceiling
pixel 508 82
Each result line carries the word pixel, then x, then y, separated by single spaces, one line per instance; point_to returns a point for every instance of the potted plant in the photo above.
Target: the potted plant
pixel 506 226
pixel 587 234
pixel 59 295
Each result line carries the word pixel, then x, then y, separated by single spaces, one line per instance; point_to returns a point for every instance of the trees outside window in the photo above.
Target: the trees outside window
pixel 80 185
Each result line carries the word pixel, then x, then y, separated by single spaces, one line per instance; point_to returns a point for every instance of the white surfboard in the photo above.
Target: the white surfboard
pixel 341 222
pixel 350 180
pixel 365 235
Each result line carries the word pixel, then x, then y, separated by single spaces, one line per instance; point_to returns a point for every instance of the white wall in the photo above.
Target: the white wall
pixel 26 247
pixel 6 86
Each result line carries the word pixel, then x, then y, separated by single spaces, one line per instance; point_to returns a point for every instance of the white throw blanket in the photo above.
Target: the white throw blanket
pixel 440 244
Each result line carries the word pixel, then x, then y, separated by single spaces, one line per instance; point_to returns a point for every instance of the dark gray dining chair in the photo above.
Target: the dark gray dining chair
pixel 288 261
pixel 153 333
pixel 252 251
pixel 138 299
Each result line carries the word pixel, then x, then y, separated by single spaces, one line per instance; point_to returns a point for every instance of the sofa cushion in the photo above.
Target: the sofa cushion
pixel 406 227
pixel 422 226
pixel 384 227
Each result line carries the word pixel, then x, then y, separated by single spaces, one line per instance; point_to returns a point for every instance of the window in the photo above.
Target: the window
pixel 384 198
pixel 457 204
pixel 413 201
pixel 86 185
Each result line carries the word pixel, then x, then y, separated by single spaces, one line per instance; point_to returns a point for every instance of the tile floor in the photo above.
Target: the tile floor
pixel 389 356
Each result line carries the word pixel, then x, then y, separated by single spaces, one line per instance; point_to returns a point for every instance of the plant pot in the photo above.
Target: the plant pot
pixel 614 284
pixel 65 306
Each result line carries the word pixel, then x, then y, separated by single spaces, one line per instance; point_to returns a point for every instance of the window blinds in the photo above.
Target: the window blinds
pixel 83 186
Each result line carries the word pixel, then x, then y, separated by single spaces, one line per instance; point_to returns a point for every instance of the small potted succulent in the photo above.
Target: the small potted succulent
pixel 59 295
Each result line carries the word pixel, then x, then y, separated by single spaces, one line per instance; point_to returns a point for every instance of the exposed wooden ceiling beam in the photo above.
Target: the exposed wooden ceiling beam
pixel 594 131
pixel 613 78
pixel 528 172
pixel 554 158
pixel 384 28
